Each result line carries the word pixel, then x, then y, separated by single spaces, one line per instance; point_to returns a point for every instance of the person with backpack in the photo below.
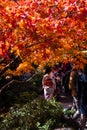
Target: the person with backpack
pixel 48 83
pixel 82 95
pixel 73 87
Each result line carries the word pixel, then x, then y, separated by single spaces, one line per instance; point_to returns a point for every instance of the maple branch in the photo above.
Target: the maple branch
pixel 12 65
pixel 16 81
pixel 16 1
pixel 28 46
pixel 39 42
pixel 2 60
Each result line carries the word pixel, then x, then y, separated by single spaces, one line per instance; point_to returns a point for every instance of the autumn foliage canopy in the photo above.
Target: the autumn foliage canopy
pixel 43 31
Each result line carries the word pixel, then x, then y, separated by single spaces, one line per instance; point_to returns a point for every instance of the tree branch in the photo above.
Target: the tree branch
pixel 16 81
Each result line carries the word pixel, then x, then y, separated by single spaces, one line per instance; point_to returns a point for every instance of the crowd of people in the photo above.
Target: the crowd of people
pixel 67 79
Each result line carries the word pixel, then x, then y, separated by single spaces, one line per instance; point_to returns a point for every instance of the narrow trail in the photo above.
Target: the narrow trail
pixel 66 100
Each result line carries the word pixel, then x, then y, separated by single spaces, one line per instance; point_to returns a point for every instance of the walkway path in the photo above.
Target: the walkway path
pixel 66 100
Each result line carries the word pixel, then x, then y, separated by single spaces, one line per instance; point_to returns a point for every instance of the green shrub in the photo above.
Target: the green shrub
pixel 69 112
pixel 36 81
pixel 25 97
pixel 36 115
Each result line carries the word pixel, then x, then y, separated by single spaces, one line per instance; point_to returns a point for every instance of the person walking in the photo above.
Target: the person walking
pixel 73 87
pixel 48 83
pixel 82 95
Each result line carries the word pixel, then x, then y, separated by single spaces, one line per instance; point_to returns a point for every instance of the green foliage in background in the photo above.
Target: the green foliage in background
pixel 69 112
pixel 35 115
pixel 36 81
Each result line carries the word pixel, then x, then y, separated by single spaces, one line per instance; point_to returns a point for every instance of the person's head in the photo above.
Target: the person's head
pixel 74 67
pixel 68 66
pixel 85 69
pixel 47 69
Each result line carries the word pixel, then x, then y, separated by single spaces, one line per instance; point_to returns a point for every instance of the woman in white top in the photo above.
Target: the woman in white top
pixel 49 87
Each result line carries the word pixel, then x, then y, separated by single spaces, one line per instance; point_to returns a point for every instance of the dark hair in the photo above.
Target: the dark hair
pixel 47 69
pixel 68 66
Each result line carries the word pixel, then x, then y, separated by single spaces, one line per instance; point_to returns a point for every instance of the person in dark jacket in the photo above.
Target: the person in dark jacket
pixel 82 95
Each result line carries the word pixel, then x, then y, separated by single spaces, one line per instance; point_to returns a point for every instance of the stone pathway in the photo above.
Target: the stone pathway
pixel 66 100
pixel 64 129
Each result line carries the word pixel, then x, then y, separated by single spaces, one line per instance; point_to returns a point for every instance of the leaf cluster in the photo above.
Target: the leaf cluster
pixel 43 30
pixel 35 115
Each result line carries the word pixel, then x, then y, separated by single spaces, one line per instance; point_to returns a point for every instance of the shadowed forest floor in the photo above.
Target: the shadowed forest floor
pixel 66 100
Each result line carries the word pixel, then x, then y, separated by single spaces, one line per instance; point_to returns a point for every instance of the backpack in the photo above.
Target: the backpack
pixel 82 87
pixel 48 81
